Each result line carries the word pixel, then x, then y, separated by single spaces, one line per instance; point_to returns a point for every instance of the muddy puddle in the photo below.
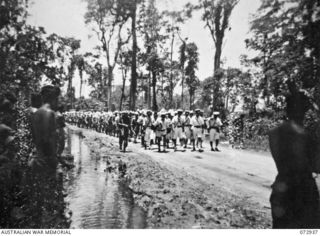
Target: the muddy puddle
pixel 96 198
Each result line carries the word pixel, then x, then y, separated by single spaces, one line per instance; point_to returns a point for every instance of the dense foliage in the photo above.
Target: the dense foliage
pixel 28 57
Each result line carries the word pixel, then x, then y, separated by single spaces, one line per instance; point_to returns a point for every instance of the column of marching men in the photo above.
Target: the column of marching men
pixel 165 129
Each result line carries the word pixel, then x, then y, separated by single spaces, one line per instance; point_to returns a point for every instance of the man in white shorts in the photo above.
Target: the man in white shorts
pixel 187 128
pixel 147 123
pixel 161 124
pixel 197 128
pixel 214 126
pixel 178 127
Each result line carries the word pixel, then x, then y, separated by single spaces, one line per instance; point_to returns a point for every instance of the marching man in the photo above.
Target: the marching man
pixel 214 126
pixel 187 128
pixel 178 128
pixel 197 128
pixel 162 124
pixel 124 129
pixel 147 124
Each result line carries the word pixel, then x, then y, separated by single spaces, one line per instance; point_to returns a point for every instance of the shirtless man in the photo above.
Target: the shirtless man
pixel 294 198
pixel 44 126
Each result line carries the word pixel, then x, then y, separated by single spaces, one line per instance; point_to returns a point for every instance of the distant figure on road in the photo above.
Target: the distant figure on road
pixel 295 198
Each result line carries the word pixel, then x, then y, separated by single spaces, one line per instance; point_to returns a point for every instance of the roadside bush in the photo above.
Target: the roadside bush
pixel 251 133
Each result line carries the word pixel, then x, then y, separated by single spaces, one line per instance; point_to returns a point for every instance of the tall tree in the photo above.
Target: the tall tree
pixel 289 57
pixel 73 46
pixel 133 86
pixel 192 59
pixel 286 33
pixel 26 55
pixel 109 19
pixel 125 58
pixel 151 29
pixel 216 15
pixel 182 60
pixel 175 19
pixel 156 67
pixel 80 63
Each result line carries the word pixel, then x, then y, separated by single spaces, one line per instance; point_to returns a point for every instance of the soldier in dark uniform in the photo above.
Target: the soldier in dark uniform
pixel 124 129
pixel 295 198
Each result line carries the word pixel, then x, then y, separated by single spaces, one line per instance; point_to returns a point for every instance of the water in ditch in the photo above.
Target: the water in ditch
pixel 96 198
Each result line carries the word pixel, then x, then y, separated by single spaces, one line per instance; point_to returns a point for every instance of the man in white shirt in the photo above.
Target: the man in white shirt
pixel 197 128
pixel 147 123
pixel 214 126
pixel 161 125
pixel 178 128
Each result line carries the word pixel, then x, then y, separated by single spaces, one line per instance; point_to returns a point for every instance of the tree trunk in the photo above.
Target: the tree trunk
pixel 154 101
pixel 133 87
pixel 69 91
pixel 182 86
pixel 227 93
pixel 124 76
pixel 171 73
pixel 190 99
pixel 227 102
pixel 109 86
pixel 149 91
pixel 163 97
pixel 146 89
pixel 216 77
pixel 81 83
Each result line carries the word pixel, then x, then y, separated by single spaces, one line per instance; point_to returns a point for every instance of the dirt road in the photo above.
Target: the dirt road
pixel 245 173
pixel 228 189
